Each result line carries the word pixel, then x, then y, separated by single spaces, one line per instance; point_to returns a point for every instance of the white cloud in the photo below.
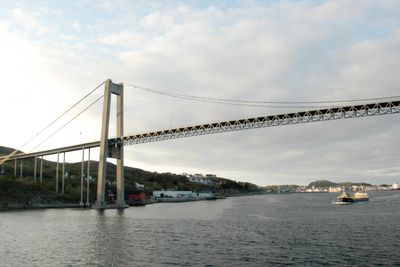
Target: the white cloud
pixel 76 25
pixel 268 58
pixel 125 39
pixel 39 83
pixel 278 51
pixel 157 21
pixel 28 20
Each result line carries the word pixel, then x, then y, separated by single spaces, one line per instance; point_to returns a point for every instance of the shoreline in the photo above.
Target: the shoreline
pixel 22 207
pixel 10 206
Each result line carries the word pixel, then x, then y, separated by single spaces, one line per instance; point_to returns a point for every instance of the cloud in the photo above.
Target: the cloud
pixel 125 39
pixel 76 25
pixel 28 20
pixel 40 83
pixel 289 57
pixel 157 21
pixel 291 51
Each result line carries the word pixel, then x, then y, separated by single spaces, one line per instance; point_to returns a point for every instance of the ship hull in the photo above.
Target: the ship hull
pixel 345 200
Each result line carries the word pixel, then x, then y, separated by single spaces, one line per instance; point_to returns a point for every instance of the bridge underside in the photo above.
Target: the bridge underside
pixel 115 145
pixel 335 113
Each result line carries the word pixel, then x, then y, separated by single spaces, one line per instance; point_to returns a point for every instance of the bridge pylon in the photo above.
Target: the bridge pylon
pixel 114 151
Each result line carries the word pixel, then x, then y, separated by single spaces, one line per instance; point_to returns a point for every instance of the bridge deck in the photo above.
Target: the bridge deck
pixel 334 113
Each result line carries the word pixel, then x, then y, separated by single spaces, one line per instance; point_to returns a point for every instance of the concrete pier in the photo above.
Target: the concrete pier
pixel 116 152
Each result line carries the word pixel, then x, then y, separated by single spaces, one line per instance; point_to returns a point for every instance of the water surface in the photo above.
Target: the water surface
pixel 265 230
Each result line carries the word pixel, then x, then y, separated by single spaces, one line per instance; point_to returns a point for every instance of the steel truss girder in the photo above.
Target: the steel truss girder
pixel 334 113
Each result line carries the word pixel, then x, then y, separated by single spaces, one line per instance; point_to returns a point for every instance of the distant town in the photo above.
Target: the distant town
pixel 77 187
pixel 325 186
pixel 318 186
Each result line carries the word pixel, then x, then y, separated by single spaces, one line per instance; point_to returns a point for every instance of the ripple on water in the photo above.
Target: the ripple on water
pixel 297 229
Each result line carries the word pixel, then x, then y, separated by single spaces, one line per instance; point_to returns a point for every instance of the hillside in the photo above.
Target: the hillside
pixel 322 184
pixel 6 150
pixel 12 189
pixel 326 184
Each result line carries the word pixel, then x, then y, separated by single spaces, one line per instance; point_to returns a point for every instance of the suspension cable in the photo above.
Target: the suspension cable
pixel 253 103
pixel 244 104
pixel 63 126
pixel 51 123
pixel 64 113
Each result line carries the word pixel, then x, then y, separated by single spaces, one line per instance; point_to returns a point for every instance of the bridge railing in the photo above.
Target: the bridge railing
pixel 326 114
pixel 334 113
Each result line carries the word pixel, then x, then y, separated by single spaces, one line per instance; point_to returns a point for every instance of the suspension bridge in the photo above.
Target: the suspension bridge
pixel 113 147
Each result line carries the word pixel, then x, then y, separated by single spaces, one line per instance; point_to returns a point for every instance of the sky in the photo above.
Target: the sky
pixel 55 52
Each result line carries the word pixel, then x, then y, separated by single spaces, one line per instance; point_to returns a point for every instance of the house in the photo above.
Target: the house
pixel 173 194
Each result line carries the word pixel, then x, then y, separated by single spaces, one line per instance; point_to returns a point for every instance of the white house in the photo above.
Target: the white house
pixel 182 194
pixel 173 194
pixel 205 195
pixel 139 186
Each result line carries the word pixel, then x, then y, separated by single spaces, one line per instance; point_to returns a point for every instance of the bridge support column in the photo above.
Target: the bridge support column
pixel 41 170
pixel 15 168
pixel 82 174
pixel 112 152
pixel 88 179
pixel 57 171
pixel 20 172
pixel 63 175
pixel 120 156
pixel 34 169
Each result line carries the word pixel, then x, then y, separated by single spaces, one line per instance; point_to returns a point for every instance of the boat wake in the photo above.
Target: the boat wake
pixel 341 203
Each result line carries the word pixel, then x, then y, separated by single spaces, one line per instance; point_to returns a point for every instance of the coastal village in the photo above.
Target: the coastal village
pixel 325 186
pixel 143 187
pixel 319 186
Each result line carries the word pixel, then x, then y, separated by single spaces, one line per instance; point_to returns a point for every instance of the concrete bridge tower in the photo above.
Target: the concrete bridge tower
pixel 106 151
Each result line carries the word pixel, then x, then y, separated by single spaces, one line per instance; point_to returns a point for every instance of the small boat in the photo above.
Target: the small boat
pixel 344 198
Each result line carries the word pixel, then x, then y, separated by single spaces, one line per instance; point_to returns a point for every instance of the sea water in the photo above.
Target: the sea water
pixel 264 230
